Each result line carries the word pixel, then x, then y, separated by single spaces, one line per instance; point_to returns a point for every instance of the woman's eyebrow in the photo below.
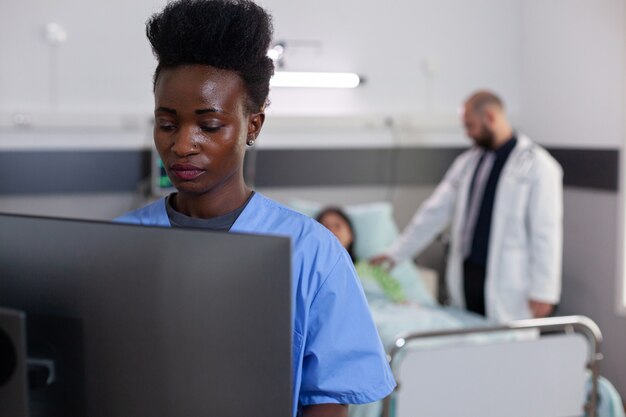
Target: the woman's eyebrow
pixel 210 110
pixel 166 110
pixel 199 111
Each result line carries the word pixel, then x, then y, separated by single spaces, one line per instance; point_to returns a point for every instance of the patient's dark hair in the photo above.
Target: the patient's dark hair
pixel 339 212
pixel 226 34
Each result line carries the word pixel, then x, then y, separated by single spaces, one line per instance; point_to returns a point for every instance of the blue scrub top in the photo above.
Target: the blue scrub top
pixel 337 355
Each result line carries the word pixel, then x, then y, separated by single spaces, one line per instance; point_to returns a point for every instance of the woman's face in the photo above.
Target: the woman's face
pixel 201 127
pixel 338 226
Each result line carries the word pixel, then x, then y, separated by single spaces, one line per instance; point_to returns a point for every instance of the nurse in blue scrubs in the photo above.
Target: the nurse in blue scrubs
pixel 210 92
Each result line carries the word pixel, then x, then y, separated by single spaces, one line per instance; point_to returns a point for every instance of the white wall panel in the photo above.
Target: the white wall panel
pixel 573 89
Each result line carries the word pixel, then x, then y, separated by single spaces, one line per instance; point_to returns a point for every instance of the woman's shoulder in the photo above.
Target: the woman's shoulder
pixel 153 213
pixel 307 235
pixel 268 215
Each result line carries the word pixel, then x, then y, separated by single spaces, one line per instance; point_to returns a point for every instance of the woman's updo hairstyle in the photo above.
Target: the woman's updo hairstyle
pixel 226 34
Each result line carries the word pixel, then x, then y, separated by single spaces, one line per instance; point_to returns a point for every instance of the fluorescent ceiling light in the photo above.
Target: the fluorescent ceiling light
pixel 315 79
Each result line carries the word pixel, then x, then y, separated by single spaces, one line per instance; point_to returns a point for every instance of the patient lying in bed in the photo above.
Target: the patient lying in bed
pixel 398 300
pixel 397 305
pixel 377 283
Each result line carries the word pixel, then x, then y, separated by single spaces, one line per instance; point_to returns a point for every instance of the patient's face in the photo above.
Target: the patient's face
pixel 338 226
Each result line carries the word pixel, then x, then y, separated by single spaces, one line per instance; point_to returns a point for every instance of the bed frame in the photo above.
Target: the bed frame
pixel 531 367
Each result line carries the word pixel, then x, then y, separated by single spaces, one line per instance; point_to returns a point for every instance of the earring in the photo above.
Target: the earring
pixel 250 141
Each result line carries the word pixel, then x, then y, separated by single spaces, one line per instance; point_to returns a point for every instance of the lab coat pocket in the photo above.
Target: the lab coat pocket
pixel 513 274
pixel 512 285
pixel 513 304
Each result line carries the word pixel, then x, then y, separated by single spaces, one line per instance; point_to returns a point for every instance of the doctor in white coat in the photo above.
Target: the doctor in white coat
pixel 503 199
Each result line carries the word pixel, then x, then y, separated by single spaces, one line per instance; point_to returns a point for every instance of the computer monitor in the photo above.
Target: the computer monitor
pixel 149 321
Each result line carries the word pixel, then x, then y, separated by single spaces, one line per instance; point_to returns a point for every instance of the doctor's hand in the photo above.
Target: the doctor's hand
pixel 385 261
pixel 540 309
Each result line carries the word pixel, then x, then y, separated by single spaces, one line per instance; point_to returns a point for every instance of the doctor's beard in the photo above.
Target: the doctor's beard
pixel 485 139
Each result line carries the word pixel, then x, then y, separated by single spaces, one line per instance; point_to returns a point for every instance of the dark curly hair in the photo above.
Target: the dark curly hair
pixel 339 212
pixel 226 34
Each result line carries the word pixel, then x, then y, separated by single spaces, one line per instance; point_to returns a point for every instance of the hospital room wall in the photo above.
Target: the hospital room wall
pixel 559 65
pixel 573 93
pixel 410 54
pixel 417 56
pixel 93 92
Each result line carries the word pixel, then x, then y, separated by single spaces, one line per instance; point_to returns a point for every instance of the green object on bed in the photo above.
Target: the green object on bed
pixel 379 283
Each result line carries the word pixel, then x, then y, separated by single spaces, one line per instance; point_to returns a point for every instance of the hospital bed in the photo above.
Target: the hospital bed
pixel 446 360
pixel 441 354
pixel 541 371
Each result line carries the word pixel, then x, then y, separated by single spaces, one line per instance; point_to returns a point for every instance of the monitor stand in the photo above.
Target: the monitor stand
pixel 13 380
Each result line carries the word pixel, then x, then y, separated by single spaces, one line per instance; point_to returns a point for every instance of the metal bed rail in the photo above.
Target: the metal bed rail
pixel 566 324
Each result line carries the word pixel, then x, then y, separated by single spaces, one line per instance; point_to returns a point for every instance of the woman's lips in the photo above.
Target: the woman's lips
pixel 186 171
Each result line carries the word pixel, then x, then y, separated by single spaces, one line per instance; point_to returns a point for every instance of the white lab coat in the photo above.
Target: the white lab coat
pixel 526 238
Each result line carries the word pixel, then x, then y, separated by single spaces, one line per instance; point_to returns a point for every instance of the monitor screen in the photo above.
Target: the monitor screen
pixel 149 321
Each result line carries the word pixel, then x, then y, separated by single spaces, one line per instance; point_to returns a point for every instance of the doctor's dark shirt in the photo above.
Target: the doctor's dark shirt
pixel 482 227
